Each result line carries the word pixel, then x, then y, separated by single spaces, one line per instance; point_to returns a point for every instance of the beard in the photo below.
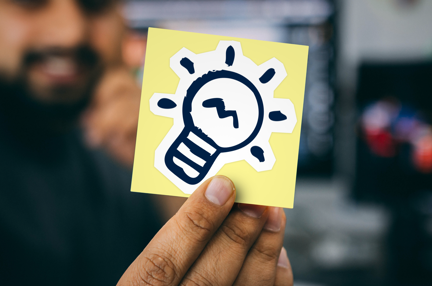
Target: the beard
pixel 33 110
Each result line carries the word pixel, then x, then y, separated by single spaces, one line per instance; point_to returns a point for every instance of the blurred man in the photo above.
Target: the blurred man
pixel 66 212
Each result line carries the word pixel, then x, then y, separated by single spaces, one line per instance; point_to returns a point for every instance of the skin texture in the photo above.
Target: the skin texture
pixel 44 26
pixel 110 121
pixel 206 243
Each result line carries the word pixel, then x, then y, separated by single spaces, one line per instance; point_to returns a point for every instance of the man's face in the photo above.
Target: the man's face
pixel 53 51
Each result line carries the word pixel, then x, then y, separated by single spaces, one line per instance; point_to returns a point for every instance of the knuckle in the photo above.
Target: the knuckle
pixel 236 234
pixel 157 270
pixel 266 252
pixel 189 282
pixel 196 223
pixel 268 280
pixel 196 279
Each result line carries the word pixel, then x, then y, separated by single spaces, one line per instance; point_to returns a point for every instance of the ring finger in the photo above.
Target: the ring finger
pixel 259 267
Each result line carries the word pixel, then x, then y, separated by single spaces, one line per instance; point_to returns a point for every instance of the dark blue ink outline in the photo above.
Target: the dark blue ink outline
pixel 166 103
pixel 200 82
pixel 191 128
pixel 277 115
pixel 188 64
pixel 173 152
pixel 229 56
pixel 219 104
pixel 267 76
pixel 258 153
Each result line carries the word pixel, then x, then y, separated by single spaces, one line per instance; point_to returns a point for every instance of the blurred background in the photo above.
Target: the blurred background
pixel 363 206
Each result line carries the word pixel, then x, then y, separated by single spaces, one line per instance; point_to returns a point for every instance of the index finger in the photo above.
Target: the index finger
pixel 179 243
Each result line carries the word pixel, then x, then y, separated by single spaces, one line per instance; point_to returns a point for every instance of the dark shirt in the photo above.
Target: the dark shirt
pixel 67 216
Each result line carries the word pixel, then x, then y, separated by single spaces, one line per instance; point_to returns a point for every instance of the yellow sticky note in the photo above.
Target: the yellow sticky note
pixel 220 105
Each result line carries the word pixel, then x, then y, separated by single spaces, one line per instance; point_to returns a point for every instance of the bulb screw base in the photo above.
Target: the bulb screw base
pixel 190 157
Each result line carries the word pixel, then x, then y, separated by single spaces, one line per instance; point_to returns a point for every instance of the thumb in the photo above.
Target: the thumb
pixel 178 244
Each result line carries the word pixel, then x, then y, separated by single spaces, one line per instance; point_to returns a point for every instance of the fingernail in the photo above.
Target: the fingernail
pixel 219 190
pixel 283 259
pixel 274 220
pixel 252 210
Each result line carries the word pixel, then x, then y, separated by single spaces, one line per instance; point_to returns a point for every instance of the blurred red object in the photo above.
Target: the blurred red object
pixel 422 157
pixel 376 122
pixel 381 142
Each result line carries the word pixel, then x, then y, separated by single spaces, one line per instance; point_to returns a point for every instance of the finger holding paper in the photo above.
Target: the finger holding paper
pixel 207 242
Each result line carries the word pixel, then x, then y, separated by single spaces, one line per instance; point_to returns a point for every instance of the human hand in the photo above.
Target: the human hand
pixel 111 123
pixel 210 242
pixel 111 120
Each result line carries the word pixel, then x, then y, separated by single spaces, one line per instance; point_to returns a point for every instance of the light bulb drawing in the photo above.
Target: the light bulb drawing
pixel 224 111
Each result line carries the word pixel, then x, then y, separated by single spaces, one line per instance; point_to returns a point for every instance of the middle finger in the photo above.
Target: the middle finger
pixel 222 259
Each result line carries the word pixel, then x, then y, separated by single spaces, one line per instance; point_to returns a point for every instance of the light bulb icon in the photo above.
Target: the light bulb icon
pixel 223 110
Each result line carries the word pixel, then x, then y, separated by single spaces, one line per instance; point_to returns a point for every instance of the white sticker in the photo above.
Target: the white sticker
pixel 224 111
